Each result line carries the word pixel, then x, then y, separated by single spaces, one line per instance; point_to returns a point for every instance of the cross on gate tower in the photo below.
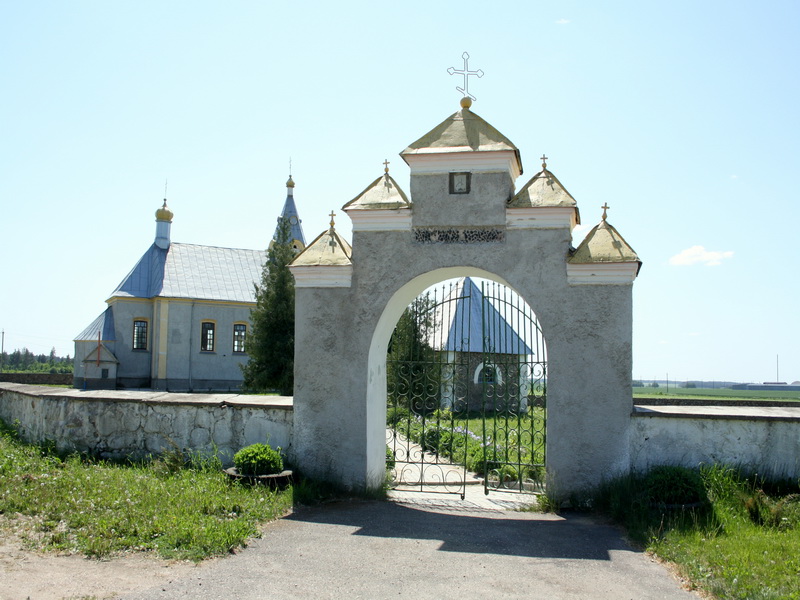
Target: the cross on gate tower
pixel 466 73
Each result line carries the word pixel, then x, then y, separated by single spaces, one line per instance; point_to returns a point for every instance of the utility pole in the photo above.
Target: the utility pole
pixel 2 347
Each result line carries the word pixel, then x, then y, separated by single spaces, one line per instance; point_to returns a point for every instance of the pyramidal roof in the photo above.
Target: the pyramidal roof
pixel 544 189
pixel 329 249
pixel 290 213
pixel 463 131
pixel 383 193
pixel 604 244
pixel 469 308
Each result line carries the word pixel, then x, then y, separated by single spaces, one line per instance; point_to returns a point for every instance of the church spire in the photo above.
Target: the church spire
pixel 290 213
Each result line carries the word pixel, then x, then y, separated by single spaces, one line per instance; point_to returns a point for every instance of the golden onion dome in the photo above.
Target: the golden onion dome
pixel 164 214
pixel 290 183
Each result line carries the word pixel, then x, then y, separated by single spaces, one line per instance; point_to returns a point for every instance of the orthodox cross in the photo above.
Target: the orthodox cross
pixel 333 214
pixel 605 207
pixel 466 73
pixel 544 163
pixel 385 165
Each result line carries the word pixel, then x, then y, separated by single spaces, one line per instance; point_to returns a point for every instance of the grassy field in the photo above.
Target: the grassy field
pixel 714 394
pixel 741 540
pixel 178 506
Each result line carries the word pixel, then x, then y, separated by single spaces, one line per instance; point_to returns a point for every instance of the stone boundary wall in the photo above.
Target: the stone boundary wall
pixel 119 424
pixel 38 378
pixel 764 440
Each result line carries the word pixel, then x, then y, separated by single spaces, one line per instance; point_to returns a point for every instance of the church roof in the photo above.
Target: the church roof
pixel 464 131
pixel 466 314
pixel 290 212
pixel 196 272
pixel 102 325
pixel 544 189
pixel 603 244
pixel 383 193
pixel 329 249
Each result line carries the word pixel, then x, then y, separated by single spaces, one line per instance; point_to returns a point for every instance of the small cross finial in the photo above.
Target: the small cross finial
pixel 544 162
pixel 333 214
pixel 466 73
pixel 165 189
pixel 386 166
pixel 605 208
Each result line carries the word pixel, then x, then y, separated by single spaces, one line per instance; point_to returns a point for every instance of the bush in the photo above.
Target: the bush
pixel 674 485
pixel 390 461
pixel 396 415
pixel 476 460
pixel 258 459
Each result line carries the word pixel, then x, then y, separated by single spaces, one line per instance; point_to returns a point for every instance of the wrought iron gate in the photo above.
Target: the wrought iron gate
pixel 466 391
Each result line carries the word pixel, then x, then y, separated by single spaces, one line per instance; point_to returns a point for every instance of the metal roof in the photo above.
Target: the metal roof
pixel 195 272
pixel 467 309
pixel 103 325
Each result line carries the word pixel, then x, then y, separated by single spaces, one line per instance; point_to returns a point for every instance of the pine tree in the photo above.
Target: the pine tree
pixel 270 344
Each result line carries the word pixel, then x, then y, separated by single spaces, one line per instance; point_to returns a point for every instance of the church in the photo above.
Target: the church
pixel 179 320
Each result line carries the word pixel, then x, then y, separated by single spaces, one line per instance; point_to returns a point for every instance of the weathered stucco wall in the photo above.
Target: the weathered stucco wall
pixel 116 424
pixel 764 440
pixel 342 334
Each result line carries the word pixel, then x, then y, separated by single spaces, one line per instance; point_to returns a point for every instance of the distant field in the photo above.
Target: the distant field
pixel 713 394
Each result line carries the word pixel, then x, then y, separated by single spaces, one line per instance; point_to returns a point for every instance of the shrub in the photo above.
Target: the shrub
pixel 476 460
pixel 668 484
pixel 258 459
pixel 396 415
pixel 430 439
pixel 390 461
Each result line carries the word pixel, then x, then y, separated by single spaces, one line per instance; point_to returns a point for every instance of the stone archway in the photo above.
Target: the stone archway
pixel 464 217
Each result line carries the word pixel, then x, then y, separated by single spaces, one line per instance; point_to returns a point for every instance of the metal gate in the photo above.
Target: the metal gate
pixel 466 391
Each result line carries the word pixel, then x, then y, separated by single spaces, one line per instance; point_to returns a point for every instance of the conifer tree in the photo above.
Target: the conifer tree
pixel 270 344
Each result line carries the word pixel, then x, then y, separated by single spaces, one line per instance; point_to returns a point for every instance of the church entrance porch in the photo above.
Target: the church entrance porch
pixel 466 391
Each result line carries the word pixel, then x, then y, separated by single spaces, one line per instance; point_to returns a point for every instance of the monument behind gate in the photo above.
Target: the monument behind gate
pixel 463 217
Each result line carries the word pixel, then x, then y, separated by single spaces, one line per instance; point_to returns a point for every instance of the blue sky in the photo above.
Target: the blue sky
pixel 682 116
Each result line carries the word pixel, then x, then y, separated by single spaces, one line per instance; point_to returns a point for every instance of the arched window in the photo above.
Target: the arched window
pixel 487 373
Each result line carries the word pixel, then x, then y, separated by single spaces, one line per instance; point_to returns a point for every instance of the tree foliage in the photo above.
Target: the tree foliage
pixel 25 361
pixel 270 344
pixel 412 371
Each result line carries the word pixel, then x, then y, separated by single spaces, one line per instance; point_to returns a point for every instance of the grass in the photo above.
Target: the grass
pixel 742 542
pixel 715 394
pixel 177 506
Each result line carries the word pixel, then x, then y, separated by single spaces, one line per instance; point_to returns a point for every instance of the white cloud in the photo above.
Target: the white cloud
pixel 734 177
pixel 698 254
pixel 562 21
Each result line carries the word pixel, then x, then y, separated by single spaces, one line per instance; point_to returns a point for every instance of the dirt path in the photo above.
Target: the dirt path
pixel 25 574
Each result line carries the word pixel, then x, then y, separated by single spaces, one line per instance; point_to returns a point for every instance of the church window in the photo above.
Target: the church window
pixel 140 334
pixel 487 376
pixel 487 373
pixel 207 334
pixel 239 334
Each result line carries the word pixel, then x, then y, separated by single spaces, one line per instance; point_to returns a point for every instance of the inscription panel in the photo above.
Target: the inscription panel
pixel 458 235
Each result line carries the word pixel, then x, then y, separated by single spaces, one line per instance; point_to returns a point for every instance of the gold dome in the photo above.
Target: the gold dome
pixel 164 214
pixel 290 183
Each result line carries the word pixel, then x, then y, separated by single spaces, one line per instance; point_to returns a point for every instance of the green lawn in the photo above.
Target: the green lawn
pixel 178 506
pixel 741 542
pixel 714 394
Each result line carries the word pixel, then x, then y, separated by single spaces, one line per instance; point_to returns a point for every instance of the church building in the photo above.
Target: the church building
pixel 179 320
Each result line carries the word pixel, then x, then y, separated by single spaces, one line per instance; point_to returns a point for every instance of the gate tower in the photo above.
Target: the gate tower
pixel 464 217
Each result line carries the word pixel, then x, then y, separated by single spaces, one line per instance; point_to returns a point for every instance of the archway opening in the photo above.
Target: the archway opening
pixel 461 386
